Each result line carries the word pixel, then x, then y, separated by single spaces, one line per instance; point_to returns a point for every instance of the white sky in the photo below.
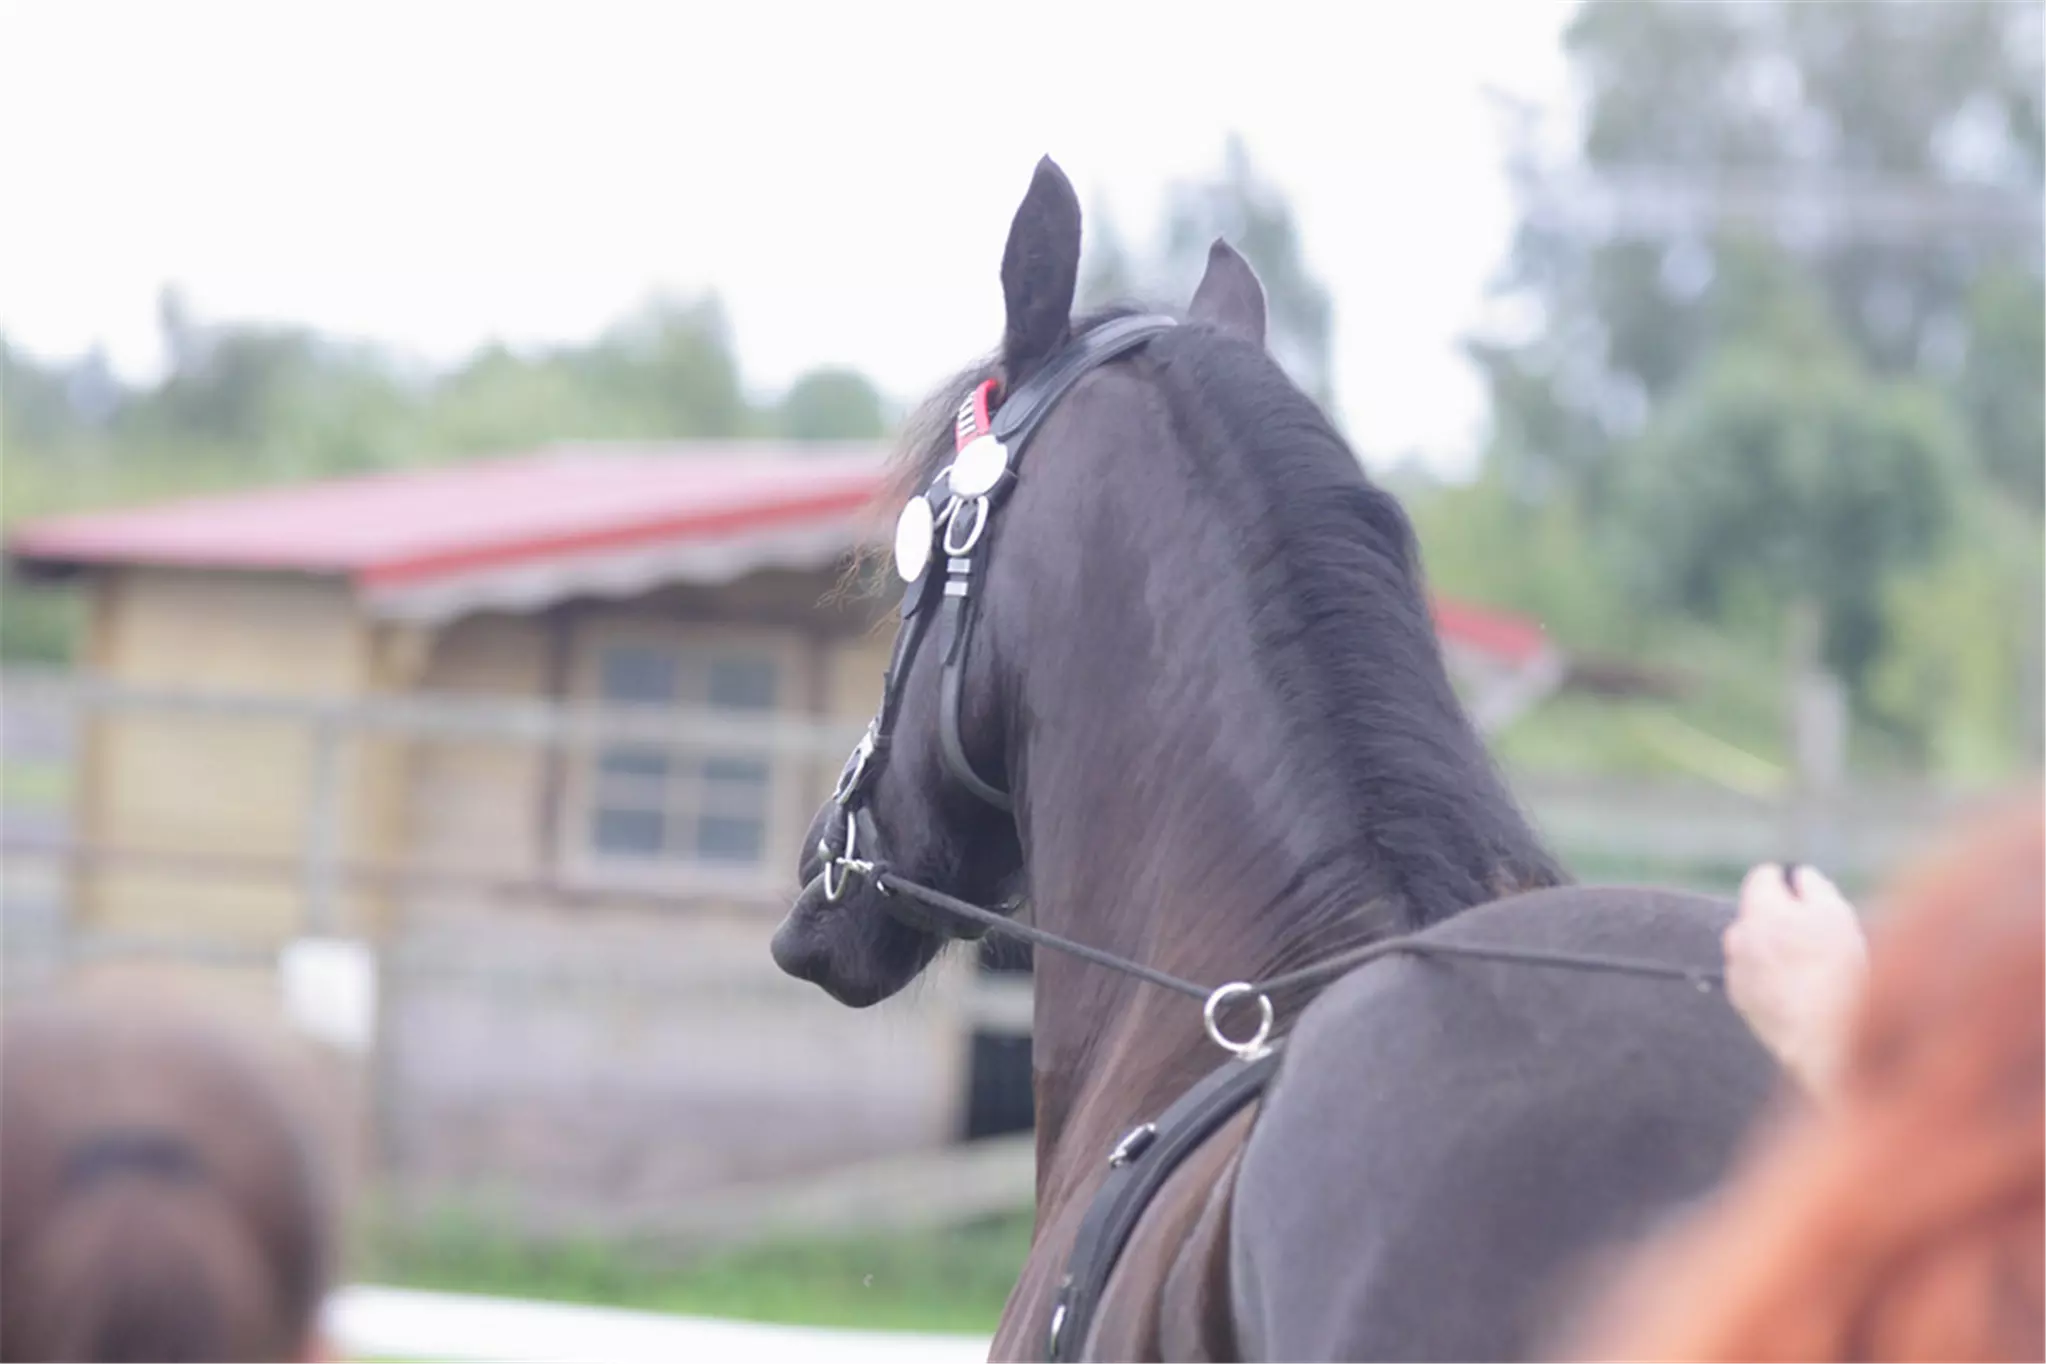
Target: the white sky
pixel 436 173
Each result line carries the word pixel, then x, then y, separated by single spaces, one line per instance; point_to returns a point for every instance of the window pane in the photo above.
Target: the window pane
pixel 727 771
pixel 726 838
pixel 635 675
pixel 628 832
pixel 742 683
pixel 733 786
pixel 633 762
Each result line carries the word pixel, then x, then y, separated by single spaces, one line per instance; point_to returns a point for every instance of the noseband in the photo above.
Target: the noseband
pixel 951 519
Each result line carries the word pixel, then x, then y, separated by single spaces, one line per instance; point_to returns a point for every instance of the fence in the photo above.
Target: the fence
pixel 581 1050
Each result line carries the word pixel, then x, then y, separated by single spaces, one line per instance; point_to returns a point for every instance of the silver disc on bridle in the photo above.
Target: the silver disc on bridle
pixel 977 468
pixel 914 530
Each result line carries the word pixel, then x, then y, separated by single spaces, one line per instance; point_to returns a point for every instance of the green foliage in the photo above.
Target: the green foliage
pixel 1791 473
pixel 1956 679
pixel 1930 100
pixel 37 624
pixel 1723 415
pixel 2002 385
pixel 243 405
pixel 831 404
pixel 1483 542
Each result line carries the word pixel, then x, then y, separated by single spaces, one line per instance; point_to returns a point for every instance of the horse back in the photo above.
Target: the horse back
pixel 1449 1140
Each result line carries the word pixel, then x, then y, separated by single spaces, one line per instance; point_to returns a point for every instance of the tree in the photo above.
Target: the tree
pixel 1241 204
pixel 830 404
pixel 1999 387
pixel 1887 150
pixel 672 361
pixel 1784 470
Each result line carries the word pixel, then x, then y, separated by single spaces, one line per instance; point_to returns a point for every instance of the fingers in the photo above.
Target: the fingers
pixel 1767 884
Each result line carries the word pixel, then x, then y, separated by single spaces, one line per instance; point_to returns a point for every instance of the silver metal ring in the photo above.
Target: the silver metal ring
pixel 1248 1050
pixel 975 525
pixel 836 864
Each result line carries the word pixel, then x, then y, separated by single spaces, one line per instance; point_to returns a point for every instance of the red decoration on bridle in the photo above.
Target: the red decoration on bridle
pixel 974 415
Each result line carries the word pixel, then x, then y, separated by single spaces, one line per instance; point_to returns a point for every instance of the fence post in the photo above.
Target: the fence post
pixel 322 871
pixel 1818 740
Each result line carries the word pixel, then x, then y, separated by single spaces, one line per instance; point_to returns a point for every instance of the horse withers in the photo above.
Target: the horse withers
pixel 1171 692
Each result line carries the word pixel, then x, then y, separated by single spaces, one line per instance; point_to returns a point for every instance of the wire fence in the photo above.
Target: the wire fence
pixel 586 1034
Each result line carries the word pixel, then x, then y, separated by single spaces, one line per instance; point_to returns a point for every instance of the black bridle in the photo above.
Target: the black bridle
pixel 951 519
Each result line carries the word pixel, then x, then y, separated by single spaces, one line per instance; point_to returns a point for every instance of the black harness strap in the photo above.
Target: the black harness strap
pixel 956 615
pixel 1138 1167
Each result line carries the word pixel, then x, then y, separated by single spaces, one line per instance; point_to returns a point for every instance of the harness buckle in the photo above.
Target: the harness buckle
pixel 972 520
pixel 1134 1143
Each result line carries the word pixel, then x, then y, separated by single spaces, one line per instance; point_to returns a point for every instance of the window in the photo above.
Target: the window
pixel 658 806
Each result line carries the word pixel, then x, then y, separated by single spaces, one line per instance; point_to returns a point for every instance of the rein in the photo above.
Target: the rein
pixel 1215 997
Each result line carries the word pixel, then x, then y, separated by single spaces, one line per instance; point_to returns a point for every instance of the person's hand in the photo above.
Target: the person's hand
pixel 1795 958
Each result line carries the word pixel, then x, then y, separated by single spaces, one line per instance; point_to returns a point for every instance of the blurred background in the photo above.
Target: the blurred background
pixel 435 438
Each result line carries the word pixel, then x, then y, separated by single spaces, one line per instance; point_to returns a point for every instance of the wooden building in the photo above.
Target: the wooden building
pixel 577 1006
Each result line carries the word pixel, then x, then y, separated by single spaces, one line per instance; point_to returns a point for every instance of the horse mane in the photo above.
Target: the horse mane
pixel 1901 1217
pixel 1342 631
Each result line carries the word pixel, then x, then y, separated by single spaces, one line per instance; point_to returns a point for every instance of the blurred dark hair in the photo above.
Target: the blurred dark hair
pixel 163 1201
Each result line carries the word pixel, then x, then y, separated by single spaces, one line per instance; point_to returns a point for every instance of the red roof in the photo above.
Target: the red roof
pixel 386 529
pixel 419 527
pixel 1500 633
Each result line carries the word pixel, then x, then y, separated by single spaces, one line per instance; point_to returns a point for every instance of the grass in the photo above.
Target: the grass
pixel 946 1281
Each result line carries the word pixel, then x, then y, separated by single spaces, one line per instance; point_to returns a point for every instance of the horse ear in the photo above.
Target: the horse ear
pixel 1040 271
pixel 1229 296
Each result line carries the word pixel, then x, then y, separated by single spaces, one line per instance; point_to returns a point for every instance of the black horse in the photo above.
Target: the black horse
pixel 1204 725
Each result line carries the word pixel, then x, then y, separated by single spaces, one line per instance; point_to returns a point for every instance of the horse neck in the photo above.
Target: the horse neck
pixel 1198 787
pixel 1171 816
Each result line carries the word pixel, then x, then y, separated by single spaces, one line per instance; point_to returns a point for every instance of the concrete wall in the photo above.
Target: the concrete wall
pixel 601 1064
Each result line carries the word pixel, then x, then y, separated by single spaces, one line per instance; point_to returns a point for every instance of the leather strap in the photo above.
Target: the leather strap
pixel 1139 1166
pixel 1017 418
pixel 957 616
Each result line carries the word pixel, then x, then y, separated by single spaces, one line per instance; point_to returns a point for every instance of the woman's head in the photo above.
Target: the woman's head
pixel 162 1199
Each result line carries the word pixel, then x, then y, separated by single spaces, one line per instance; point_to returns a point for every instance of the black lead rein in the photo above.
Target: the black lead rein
pixel 1319 973
pixel 1149 1152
